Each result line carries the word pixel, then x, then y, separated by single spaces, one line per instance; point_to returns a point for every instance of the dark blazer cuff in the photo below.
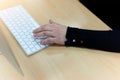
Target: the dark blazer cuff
pixel 73 37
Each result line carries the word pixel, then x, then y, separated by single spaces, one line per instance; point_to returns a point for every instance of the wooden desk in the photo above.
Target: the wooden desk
pixel 60 63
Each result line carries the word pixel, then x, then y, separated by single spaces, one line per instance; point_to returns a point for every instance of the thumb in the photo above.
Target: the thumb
pixel 51 21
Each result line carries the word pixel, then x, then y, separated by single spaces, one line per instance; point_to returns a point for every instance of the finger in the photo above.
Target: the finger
pixel 49 40
pixel 37 30
pixel 44 33
pixel 50 21
pixel 42 28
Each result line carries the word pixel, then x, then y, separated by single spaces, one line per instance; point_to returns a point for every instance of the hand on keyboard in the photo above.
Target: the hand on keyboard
pixel 56 33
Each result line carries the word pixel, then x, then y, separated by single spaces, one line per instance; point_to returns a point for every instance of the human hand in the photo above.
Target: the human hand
pixel 55 32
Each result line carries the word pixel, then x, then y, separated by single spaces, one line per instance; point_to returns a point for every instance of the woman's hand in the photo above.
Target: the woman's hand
pixel 55 32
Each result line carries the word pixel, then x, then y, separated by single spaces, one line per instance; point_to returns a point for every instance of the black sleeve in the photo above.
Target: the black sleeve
pixel 102 40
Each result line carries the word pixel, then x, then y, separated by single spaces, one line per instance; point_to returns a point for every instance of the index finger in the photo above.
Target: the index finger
pixel 41 28
pixel 37 30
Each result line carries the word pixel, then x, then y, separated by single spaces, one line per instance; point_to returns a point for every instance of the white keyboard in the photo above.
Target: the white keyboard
pixel 21 25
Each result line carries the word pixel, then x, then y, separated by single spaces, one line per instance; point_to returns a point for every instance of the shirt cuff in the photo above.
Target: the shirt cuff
pixel 73 37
